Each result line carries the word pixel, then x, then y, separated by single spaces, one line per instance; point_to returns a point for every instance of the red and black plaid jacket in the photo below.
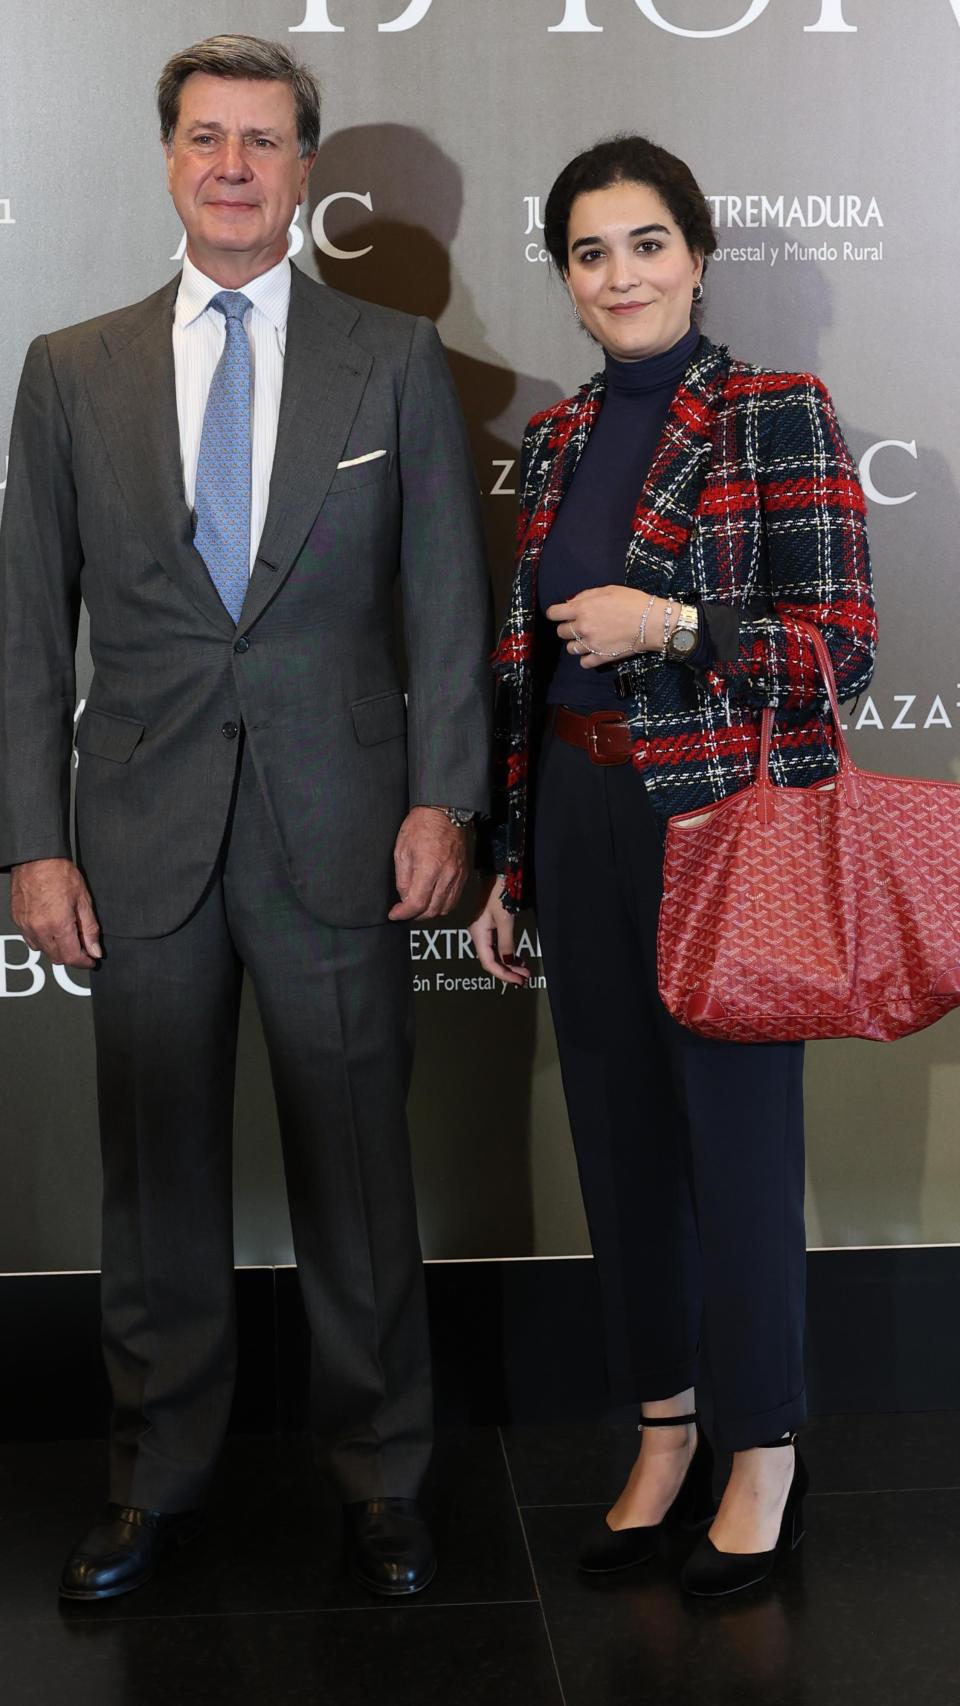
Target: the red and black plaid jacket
pixel 753 501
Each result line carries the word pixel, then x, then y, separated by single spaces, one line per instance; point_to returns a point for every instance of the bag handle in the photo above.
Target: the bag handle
pixel 766 789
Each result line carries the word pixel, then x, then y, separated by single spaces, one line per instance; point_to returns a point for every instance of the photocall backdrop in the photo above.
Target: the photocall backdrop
pixel 824 132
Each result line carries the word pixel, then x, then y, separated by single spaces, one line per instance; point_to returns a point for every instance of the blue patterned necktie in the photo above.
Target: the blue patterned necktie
pixel 223 491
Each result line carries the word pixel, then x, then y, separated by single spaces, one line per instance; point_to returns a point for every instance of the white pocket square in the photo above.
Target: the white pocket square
pixel 355 461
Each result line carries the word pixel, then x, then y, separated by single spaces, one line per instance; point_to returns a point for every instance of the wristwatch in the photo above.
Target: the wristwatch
pixel 458 817
pixel 685 634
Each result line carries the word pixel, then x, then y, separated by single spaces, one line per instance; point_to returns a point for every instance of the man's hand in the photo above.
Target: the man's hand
pixel 430 860
pixel 50 905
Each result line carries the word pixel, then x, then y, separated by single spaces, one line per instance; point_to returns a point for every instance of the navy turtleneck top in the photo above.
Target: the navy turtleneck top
pixel 587 544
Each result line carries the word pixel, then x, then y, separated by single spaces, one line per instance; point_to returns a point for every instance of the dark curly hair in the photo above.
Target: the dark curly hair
pixel 629 160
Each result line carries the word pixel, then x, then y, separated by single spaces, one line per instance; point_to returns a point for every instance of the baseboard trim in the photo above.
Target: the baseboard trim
pixel 514 1342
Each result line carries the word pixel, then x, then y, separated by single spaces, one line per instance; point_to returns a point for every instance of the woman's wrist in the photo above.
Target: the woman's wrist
pixel 664 619
pixel 661 614
pixel 655 625
pixel 640 641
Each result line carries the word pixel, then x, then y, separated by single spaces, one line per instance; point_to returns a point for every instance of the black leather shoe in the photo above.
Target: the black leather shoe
pixel 389 1546
pixel 122 1552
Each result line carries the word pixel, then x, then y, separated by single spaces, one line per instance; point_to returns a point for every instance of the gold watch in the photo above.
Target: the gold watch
pixel 685 634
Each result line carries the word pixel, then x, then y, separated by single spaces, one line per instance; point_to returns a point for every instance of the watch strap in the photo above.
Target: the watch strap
pixel 687 622
pixel 457 815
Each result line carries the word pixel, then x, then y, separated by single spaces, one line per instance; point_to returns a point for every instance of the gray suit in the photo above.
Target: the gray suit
pixel 239 792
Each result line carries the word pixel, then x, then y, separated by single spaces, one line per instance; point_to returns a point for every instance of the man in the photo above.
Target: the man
pixel 231 475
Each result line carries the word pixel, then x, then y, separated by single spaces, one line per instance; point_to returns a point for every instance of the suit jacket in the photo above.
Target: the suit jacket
pixel 752 501
pixel 95 511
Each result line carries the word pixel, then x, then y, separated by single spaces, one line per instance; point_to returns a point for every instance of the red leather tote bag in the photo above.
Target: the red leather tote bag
pixel 826 911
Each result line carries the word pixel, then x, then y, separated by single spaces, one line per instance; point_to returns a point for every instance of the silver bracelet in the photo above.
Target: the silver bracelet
pixel 667 630
pixel 641 634
pixel 595 651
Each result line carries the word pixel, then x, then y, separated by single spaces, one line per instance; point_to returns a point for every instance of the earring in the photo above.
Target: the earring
pixel 698 292
pixel 577 313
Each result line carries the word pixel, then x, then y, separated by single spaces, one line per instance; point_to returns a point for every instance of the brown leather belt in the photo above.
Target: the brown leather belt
pixel 604 735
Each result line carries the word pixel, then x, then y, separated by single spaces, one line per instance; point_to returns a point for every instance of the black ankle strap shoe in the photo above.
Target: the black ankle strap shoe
pixel 709 1572
pixel 604 1549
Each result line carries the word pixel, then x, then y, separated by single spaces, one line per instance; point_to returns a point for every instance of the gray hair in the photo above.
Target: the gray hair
pixel 238 57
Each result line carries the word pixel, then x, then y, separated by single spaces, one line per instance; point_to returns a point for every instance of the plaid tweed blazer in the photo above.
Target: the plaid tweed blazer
pixel 752 501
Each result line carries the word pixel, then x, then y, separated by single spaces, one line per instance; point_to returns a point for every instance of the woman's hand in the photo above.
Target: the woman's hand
pixel 492 936
pixel 609 619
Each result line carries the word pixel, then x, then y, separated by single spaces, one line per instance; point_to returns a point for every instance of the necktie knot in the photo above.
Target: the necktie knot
pixel 232 304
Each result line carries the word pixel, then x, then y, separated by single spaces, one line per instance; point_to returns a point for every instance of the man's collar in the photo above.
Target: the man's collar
pixel 269 292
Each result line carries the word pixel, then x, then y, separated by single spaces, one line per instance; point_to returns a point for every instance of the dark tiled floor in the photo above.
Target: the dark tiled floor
pixel 256 1612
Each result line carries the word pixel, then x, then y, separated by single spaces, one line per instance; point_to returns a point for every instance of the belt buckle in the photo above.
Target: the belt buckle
pixel 595 722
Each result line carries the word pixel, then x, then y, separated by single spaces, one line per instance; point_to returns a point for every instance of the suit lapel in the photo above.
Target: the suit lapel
pixel 324 375
pixel 552 464
pixel 555 460
pixel 134 399
pixel 665 514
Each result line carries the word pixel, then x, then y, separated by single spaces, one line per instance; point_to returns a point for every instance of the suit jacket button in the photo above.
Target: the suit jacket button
pixel 241 645
pixel 229 731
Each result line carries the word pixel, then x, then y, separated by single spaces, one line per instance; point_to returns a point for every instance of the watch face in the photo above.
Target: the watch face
pixel 683 641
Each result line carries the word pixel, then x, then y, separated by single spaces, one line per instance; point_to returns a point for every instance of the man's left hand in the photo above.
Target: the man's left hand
pixel 430 860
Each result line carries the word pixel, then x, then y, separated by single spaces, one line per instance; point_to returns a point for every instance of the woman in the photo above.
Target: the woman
pixel 677 516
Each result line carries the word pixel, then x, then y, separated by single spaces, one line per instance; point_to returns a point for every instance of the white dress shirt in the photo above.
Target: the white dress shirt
pixel 199 334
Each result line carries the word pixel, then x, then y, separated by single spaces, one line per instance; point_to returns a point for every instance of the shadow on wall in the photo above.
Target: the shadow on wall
pixel 408 266
pixel 881 1118
pixel 470 1106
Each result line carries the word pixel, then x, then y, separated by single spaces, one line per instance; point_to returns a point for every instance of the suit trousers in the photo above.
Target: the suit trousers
pixel 336 1008
pixel 690 1151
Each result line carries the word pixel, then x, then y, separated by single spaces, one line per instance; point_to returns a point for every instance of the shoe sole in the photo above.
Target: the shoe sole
pixel 392 1593
pixel 105 1593
pixel 616 1569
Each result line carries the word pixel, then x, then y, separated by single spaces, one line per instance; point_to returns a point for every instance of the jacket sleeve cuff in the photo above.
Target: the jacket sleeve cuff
pixel 719 636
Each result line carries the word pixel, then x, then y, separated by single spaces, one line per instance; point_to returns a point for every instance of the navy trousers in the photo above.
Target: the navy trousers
pixel 690 1151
